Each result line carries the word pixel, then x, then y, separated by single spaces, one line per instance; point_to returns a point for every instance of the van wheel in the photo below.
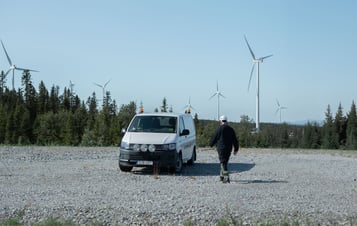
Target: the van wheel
pixel 179 164
pixel 193 158
pixel 125 168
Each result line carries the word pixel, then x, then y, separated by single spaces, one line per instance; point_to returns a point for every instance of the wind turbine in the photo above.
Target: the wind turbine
pixel 13 67
pixel 256 61
pixel 103 88
pixel 218 94
pixel 279 109
pixel 188 107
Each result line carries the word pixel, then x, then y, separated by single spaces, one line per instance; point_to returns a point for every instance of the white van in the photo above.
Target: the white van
pixel 166 139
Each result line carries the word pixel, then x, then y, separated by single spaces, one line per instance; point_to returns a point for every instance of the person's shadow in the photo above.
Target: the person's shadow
pixel 212 169
pixel 199 169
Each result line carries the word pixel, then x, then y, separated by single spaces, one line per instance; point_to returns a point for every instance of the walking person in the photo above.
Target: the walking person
pixel 225 138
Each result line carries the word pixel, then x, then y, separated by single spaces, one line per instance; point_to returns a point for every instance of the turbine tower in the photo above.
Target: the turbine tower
pixel 256 61
pixel 279 109
pixel 218 94
pixel 13 67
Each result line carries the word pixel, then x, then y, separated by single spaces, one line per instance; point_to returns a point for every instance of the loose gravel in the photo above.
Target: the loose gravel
pixel 85 185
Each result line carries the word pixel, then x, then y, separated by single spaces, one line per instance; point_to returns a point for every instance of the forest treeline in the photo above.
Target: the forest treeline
pixel 30 116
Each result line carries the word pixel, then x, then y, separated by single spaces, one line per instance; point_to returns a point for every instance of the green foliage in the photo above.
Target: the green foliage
pixel 164 105
pixel 351 130
pixel 50 118
pixel 330 135
pixel 55 222
pixel 10 222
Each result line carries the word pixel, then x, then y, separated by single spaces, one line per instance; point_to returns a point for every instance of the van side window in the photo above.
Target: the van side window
pixel 182 125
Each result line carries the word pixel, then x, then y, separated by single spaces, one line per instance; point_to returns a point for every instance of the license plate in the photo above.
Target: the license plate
pixel 144 163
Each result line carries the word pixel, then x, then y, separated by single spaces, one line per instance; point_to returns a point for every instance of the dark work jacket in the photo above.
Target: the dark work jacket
pixel 225 138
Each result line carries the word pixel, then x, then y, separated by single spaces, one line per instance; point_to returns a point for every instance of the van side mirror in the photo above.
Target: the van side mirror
pixel 185 132
pixel 123 130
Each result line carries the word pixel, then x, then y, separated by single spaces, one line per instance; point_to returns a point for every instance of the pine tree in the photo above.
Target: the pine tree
pixel 351 130
pixel 79 124
pixel 2 83
pixel 330 139
pixel 340 126
pixel 312 136
pixel 54 99
pixel 65 100
pixel 92 111
pixel 43 99
pixel 164 105
pixel 30 98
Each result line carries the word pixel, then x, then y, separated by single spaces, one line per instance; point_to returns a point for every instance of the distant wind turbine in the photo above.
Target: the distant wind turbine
pixel 218 94
pixel 279 109
pixel 188 107
pixel 13 67
pixel 103 88
pixel 256 61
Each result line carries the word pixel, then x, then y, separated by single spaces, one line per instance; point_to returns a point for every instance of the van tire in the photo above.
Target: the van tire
pixel 125 168
pixel 178 163
pixel 193 158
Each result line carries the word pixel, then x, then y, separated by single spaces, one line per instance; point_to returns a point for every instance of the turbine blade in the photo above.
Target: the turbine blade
pixel 222 95
pixel 7 72
pixel 262 58
pixel 251 74
pixel 107 83
pixel 278 103
pixel 7 55
pixel 98 85
pixel 250 49
pixel 13 79
pixel 277 110
pixel 24 69
pixel 8 58
pixel 217 86
pixel 213 96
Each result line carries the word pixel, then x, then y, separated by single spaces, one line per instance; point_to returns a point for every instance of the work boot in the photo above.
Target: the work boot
pixel 226 177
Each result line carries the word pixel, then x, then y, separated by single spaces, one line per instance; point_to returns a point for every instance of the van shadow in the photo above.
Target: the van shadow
pixel 198 169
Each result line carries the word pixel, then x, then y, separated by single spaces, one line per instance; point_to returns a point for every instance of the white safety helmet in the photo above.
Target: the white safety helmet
pixel 223 118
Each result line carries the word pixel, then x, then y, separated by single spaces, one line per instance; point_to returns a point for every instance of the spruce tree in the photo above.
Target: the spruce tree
pixel 351 130
pixel 340 126
pixel 54 102
pixel 43 99
pixel 330 139
pixel 164 105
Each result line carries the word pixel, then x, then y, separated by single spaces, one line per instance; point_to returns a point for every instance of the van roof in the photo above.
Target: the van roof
pixel 162 114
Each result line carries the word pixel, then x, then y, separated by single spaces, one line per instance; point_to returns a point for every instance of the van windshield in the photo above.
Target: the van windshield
pixel 154 124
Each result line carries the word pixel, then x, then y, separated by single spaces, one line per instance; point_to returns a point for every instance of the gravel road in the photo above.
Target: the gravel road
pixel 85 185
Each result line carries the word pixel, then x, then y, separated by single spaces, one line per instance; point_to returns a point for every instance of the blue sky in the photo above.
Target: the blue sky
pixel 180 49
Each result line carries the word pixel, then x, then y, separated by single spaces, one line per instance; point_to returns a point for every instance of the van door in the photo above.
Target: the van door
pixel 183 141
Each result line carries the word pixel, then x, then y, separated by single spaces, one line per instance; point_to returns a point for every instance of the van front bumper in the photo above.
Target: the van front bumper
pixel 139 158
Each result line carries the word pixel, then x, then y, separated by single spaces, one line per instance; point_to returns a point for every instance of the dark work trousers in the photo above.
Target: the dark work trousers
pixel 223 158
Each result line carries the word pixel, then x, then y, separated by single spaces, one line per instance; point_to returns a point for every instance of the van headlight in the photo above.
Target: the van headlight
pixel 169 146
pixel 124 145
pixel 152 148
pixel 136 147
pixel 144 147
pixel 172 146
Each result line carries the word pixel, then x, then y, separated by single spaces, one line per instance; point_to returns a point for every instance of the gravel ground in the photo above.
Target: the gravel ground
pixel 85 185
